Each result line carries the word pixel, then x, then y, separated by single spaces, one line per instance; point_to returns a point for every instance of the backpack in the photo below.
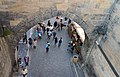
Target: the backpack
pixel 47 45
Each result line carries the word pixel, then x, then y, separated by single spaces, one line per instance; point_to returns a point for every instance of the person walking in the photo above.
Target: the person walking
pixel 43 27
pixel 49 34
pixel 47 30
pixel 36 34
pixel 55 24
pixel 54 34
pixel 65 22
pixel 25 38
pixel 49 23
pixel 26 59
pixel 58 26
pixel 69 21
pixel 38 28
pixel 30 41
pixel 24 72
pixel 34 43
pixel 40 34
pixel 60 41
pixel 71 46
pixel 61 24
pixel 40 24
pixel 56 40
pixel 19 61
pixel 47 47
pixel 58 19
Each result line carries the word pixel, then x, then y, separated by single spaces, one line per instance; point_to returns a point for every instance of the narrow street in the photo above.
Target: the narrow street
pixel 55 63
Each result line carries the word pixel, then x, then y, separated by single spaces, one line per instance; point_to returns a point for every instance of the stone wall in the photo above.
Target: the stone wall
pixel 110 45
pixel 84 12
pixel 5 60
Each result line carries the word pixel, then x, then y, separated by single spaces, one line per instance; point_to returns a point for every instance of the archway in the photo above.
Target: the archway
pixel 57 59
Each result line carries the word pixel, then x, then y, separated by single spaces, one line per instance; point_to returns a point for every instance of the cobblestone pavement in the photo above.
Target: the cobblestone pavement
pixel 55 63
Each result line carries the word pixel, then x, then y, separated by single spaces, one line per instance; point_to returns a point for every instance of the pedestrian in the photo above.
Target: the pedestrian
pixel 61 24
pixel 19 62
pixel 51 28
pixel 49 34
pixel 47 47
pixel 58 26
pixel 25 38
pixel 36 34
pixel 60 41
pixel 40 34
pixel 69 21
pixel 38 28
pixel 17 47
pixel 54 34
pixel 47 30
pixel 56 40
pixel 65 22
pixel 21 65
pixel 30 41
pixel 43 27
pixel 71 46
pixel 40 24
pixel 55 24
pixel 24 72
pixel 57 17
pixel 26 59
pixel 34 43
pixel 65 18
pixel 49 23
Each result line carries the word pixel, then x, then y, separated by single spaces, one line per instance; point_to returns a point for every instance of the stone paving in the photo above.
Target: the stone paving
pixel 55 63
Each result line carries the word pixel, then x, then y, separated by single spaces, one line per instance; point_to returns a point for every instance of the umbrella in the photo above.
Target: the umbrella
pixel 81 33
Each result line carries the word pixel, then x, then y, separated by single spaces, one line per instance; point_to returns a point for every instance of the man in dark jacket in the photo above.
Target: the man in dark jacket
pixel 54 34
pixel 56 40
pixel 25 38
pixel 60 41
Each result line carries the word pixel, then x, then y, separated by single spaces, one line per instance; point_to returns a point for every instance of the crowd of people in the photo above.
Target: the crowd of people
pixel 51 31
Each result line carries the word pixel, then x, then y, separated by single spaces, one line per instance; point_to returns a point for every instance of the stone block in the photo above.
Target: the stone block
pixel 15 22
pixel 62 7
pixel 44 4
